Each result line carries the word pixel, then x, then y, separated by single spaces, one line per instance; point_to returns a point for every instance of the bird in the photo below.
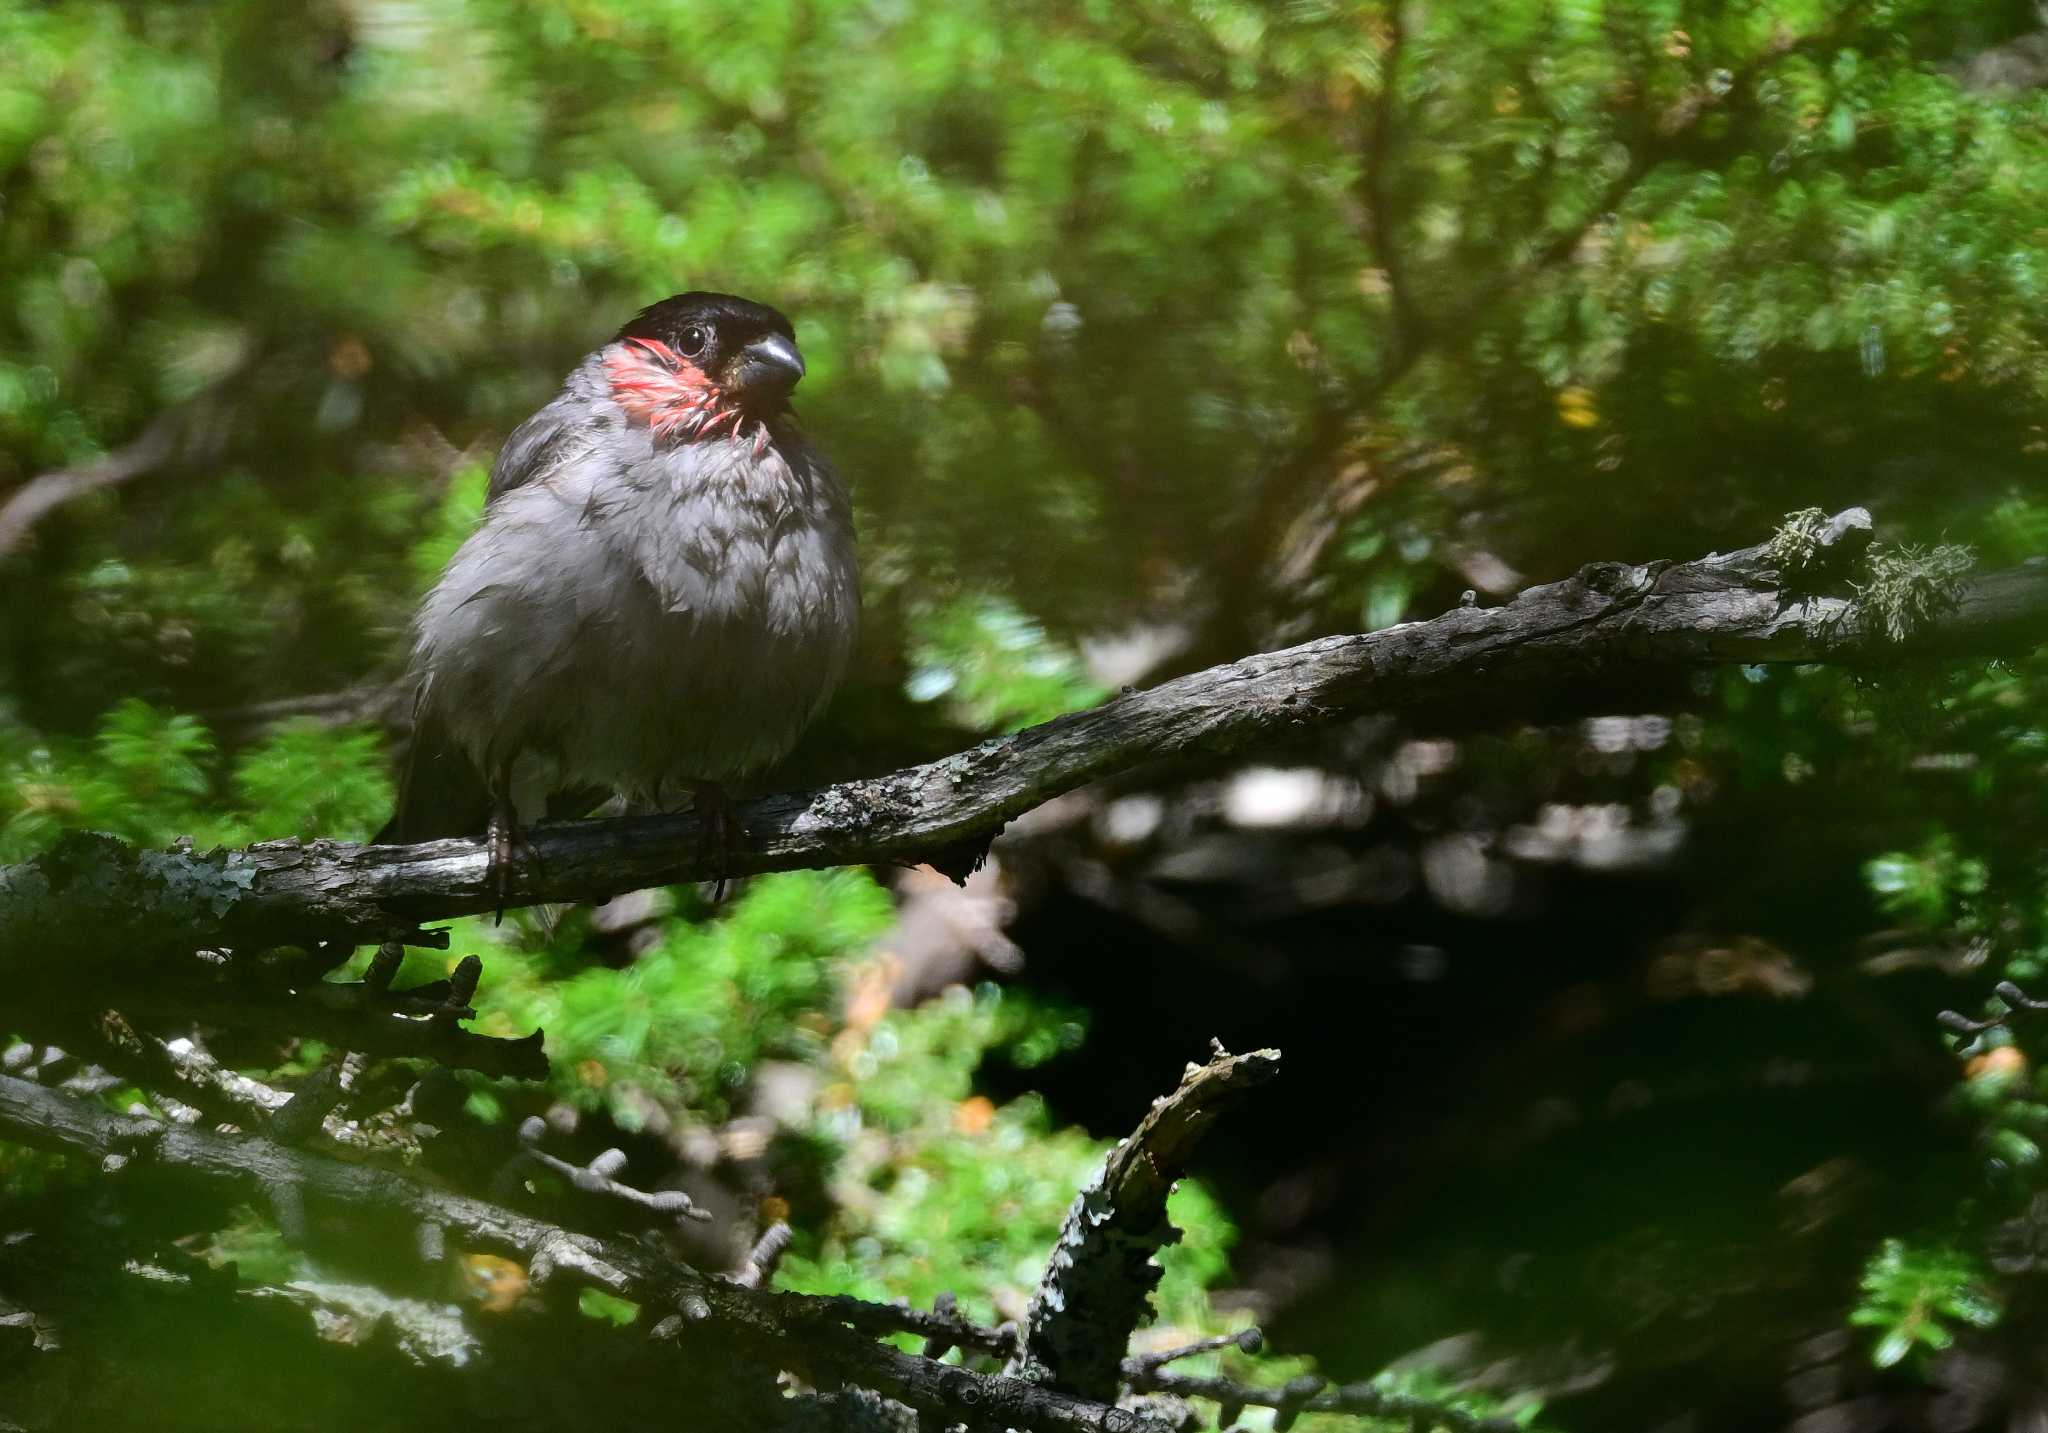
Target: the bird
pixel 661 594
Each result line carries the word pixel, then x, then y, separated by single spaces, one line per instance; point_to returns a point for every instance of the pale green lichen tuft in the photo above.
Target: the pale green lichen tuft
pixel 1797 541
pixel 1906 587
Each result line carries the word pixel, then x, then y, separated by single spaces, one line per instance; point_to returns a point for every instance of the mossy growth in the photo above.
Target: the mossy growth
pixel 1797 541
pixel 1901 586
pixel 1905 587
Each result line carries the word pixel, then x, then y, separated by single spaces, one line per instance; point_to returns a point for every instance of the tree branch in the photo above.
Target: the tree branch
pixel 1311 1394
pixel 41 495
pixel 182 1072
pixel 384 703
pixel 1375 160
pixel 1099 1283
pixel 91 903
pixel 289 999
pixel 1068 1370
pixel 833 1339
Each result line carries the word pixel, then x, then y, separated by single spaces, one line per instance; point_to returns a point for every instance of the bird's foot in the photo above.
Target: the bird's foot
pixel 507 851
pixel 719 831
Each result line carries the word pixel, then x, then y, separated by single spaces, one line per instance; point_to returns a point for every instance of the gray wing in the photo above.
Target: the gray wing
pixel 535 446
pixel 440 792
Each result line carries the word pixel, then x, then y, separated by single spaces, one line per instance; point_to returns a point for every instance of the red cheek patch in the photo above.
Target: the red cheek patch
pixel 658 387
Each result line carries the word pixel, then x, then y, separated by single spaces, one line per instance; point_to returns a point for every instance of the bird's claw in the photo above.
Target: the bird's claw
pixel 507 850
pixel 719 831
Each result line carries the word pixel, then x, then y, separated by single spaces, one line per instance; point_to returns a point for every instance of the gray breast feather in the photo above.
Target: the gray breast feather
pixel 636 624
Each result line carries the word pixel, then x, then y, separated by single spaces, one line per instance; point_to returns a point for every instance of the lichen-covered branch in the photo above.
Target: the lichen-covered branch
pixel 1099 1281
pixel 600 1176
pixel 179 1070
pixel 1067 1371
pixel 833 1340
pixel 285 998
pixel 93 900
pixel 823 1335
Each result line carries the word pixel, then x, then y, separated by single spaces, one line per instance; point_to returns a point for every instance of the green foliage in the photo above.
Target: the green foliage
pixel 452 520
pixel 1915 1297
pixel 1932 885
pixel 29 1173
pixel 939 1210
pixel 1043 335
pixel 994 665
pixel 1211 320
pixel 251 1243
pixel 305 777
pixel 1381 572
pixel 151 767
pixel 2014 530
pixel 914 1062
pixel 151 776
pixel 597 1304
pixel 938 1189
pixel 1968 883
pixel 685 1023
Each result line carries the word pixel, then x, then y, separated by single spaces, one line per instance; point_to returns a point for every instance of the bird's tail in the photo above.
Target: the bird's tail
pixel 440 791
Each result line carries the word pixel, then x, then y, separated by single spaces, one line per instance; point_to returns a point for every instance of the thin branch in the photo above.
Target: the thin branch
pixel 981 1401
pixel 1311 1394
pixel 179 1070
pixel 43 494
pixel 834 1339
pixel 1142 1365
pixel 92 905
pixel 937 1346
pixel 941 1325
pixel 417 1022
pixel 383 1034
pixel 2015 1000
pixel 766 1257
pixel 383 703
pixel 302 1116
pixel 600 1176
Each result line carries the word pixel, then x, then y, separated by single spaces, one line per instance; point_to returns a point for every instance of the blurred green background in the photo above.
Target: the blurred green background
pixel 1149 335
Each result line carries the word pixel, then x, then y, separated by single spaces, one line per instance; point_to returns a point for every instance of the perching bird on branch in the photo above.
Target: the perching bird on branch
pixel 662 592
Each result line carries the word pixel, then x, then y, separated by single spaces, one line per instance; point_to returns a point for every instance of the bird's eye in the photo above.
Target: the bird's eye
pixel 695 340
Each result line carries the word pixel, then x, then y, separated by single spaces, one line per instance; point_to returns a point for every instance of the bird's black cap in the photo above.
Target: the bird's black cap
pixel 731 317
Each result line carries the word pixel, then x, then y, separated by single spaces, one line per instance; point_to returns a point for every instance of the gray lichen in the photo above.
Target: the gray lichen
pixel 1097 1286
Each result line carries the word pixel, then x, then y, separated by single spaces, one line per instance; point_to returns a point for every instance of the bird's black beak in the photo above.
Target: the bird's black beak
pixel 768 368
